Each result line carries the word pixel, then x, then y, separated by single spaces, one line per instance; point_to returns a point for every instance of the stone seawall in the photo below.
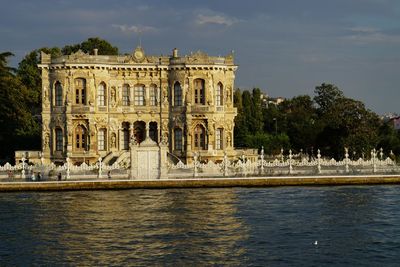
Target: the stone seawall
pixel 199 183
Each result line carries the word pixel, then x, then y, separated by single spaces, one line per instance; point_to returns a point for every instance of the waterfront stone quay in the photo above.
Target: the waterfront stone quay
pixel 102 184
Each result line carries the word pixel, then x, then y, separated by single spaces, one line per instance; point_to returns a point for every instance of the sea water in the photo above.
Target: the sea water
pixel 283 226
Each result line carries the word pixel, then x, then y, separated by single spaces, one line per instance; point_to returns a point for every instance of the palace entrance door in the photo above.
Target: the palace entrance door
pixel 148 164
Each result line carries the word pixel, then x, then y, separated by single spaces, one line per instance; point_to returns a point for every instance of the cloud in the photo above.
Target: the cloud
pixel 215 19
pixel 134 28
pixel 368 35
pixel 363 29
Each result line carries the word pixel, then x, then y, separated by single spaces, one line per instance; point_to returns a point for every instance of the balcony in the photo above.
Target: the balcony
pixel 81 109
pixel 102 109
pixel 200 109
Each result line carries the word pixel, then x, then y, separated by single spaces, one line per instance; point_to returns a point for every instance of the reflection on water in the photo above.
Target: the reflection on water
pixel 122 227
pixel 254 226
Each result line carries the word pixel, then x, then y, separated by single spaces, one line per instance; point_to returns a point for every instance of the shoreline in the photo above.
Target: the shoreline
pixel 271 181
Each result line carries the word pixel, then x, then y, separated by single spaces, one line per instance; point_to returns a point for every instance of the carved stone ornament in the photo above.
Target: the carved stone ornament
pixel 165 126
pixel 113 94
pixel 46 141
pixel 113 140
pixel 133 141
pixel 137 56
pixel 100 122
pixel 164 139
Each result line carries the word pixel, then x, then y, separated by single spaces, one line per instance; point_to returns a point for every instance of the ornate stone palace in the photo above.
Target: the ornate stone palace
pixel 95 105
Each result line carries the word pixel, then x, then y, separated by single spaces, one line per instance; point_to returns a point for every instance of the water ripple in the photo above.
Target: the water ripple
pixel 353 225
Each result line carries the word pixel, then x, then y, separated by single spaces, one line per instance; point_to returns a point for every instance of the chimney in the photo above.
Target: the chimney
pixel 175 52
pixel 95 51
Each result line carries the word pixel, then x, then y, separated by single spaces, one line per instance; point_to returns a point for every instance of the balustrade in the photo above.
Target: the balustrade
pixel 284 164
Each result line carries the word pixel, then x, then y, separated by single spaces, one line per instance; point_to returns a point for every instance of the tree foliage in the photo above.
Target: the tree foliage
pixel 329 121
pixel 18 126
pixel 104 47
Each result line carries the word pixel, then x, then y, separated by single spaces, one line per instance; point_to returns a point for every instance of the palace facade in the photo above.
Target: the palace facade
pixel 95 105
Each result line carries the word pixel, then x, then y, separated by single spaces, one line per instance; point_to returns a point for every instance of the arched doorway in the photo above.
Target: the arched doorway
pixel 139 131
pixel 153 131
pixel 125 136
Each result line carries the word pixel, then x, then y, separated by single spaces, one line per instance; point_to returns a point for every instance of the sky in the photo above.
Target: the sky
pixel 284 47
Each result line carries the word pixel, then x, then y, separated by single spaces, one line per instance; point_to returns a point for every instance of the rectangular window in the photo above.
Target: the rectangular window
pixel 219 139
pixel 58 100
pixel 80 91
pixel 58 91
pixel 125 95
pixel 218 98
pixel 59 140
pixel 101 140
pixel 83 96
pixel 153 91
pixel 139 96
pixel 177 94
pixel 100 95
pixel 199 91
pixel 78 141
pixel 219 95
pixel 178 139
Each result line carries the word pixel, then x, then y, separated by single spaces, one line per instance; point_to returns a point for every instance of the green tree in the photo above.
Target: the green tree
pixel 302 122
pixel 326 96
pixel 240 130
pixel 272 143
pixel 256 118
pixel 103 46
pixel 4 68
pixel 345 122
pixel 19 127
pixel 389 138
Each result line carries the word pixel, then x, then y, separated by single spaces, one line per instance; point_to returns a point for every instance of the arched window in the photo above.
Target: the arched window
pixel 219 139
pixel 139 95
pixel 178 139
pixel 219 95
pixel 199 138
pixel 199 90
pixel 101 95
pixel 101 139
pixel 59 139
pixel 80 91
pixel 58 94
pixel 125 95
pixel 177 94
pixel 80 138
pixel 153 95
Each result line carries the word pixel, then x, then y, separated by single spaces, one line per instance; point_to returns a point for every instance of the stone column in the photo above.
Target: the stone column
pixel 147 130
pixel 131 130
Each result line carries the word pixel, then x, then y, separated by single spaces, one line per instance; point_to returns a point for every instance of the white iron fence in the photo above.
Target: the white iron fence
pixel 285 164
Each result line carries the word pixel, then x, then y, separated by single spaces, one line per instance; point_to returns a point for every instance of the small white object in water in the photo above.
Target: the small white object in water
pixel 315 242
